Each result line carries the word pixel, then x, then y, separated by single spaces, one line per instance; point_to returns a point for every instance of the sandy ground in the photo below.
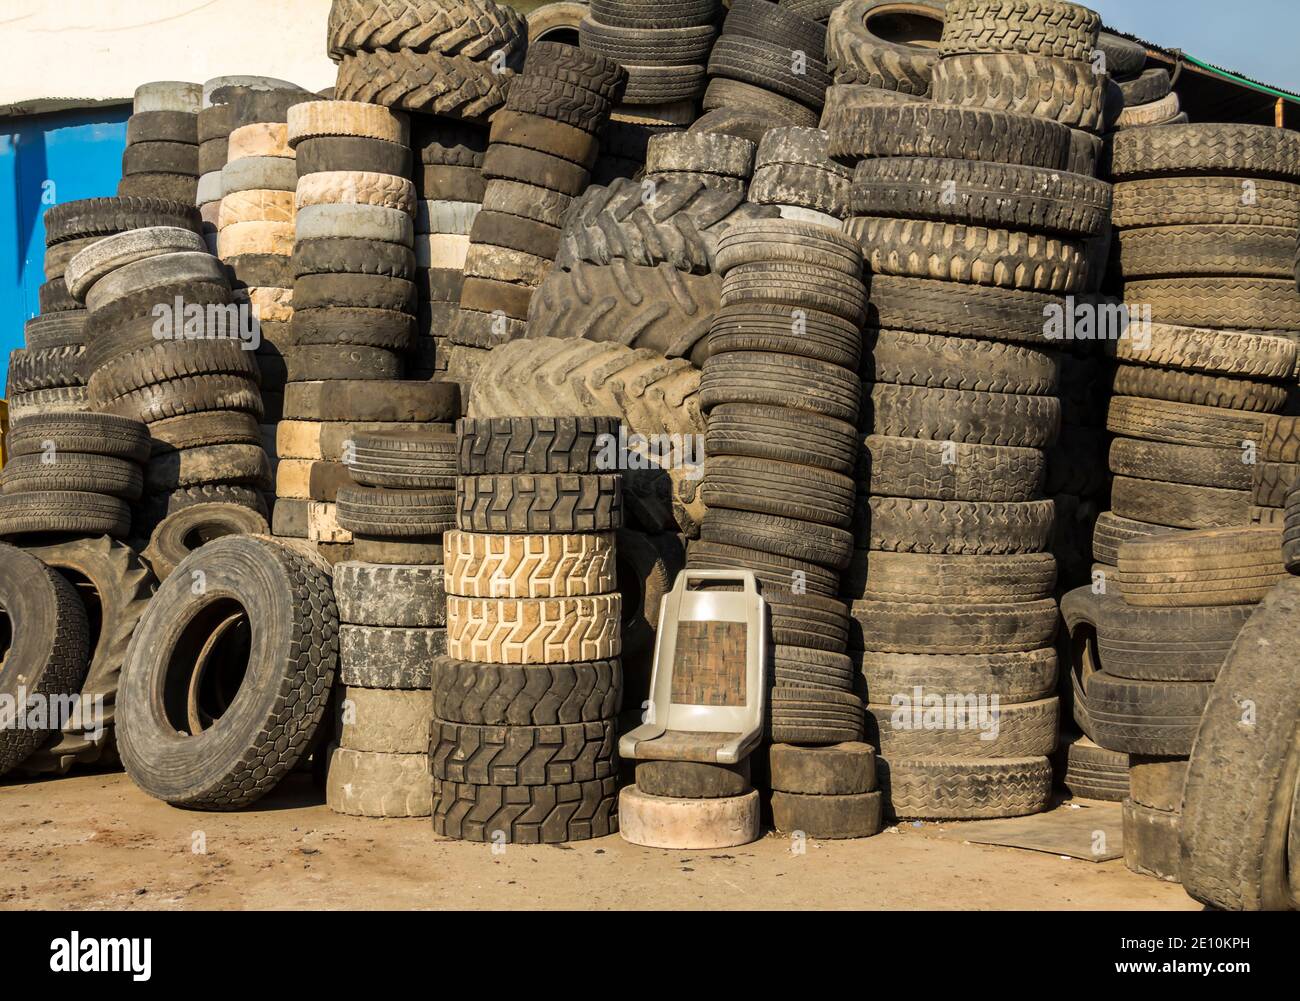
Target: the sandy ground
pixel 96 842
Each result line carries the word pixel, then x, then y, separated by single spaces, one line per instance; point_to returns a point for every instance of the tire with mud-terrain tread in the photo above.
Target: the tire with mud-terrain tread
pixel 521 755
pixel 526 695
pixel 452 86
pixel 932 470
pixel 481 565
pixel 48 655
pixel 540 503
pixel 657 308
pixel 506 446
pixel 291 663
pixel 526 815
pixel 1241 779
pixel 898 53
pixel 1063 90
pixel 1042 27
pixel 534 630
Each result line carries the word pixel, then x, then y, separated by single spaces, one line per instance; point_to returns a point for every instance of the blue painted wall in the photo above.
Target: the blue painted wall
pixel 44 160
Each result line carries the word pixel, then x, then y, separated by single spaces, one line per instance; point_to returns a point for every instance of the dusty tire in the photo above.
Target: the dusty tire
pixel 229 767
pixel 181 533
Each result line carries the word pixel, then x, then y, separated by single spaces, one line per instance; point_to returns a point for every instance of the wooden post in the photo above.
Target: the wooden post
pixel 1279 113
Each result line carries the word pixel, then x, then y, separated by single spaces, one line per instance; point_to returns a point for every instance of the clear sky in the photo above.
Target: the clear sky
pixel 1256 38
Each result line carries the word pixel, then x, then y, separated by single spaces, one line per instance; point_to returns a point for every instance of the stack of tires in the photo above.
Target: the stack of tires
pixel 449 183
pixel 825 792
pixel 769 61
pixel 543 145
pixel 318 442
pixel 793 171
pixel 690 806
pixel 76 474
pixel 1032 59
pixel 161 159
pixel 256 224
pixel 168 346
pixel 1149 650
pixel 1148 95
pixel 522 745
pixel 781 392
pixel 453 58
pixel 1205 218
pixel 393 618
pixel 716 161
pixel 952 581
pixel 663 47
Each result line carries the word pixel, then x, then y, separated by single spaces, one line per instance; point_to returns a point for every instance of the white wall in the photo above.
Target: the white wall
pixel 62 52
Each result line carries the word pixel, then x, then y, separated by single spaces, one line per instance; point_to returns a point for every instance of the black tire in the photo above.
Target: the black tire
pixel 1123 56
pixel 1145 717
pixel 829 547
pixel 513 445
pixel 1147 87
pixel 392 658
pixel 946 307
pixel 395 513
pixel 414 460
pixel 90 434
pixel 957 528
pixel 521 755
pixel 779 574
pixel 783 489
pixel 48 654
pixel 693 779
pixel 794 436
pixel 539 503
pixel 102 217
pixel 526 815
pixel 353 257
pixel 778 380
pixel 293 662
pixel 64 512
pixel 315 156
pixel 768 64
pixel 71 471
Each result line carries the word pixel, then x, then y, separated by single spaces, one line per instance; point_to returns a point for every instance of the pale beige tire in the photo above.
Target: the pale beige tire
pixel 256 206
pixel 687 824
pixel 534 630
pixel 103 257
pixel 293 479
pixel 356 187
pixel 361 784
pixel 530 566
pixel 260 139
pixel 1154 113
pixel 317 119
pixel 441 251
pixel 504 265
pixel 385 720
pixel 274 238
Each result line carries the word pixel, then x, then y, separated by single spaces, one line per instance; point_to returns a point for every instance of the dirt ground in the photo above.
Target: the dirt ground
pixel 96 842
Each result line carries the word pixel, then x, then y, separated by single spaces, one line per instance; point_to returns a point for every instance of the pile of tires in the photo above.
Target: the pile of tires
pixel 1205 217
pixel 72 473
pixel 255 221
pixel 161 159
pixel 454 59
pixel 229 674
pixel 449 183
pixel 319 440
pixel 768 61
pixel 522 745
pixel 1146 95
pixel 168 345
pixel 1148 647
pixel 825 792
pixel 394 615
pixel 664 49
pixel 541 151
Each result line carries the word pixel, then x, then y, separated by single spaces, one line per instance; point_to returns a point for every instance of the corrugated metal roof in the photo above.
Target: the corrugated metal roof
pixel 1175 54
